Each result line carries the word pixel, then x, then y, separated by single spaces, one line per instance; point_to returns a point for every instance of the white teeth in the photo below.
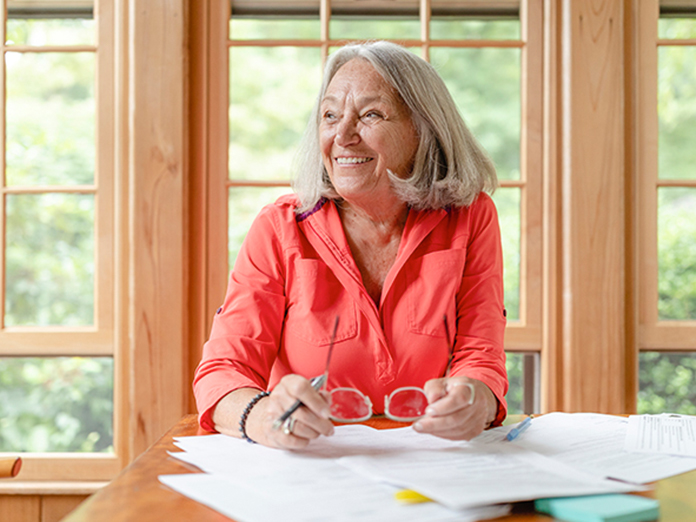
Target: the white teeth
pixel 344 161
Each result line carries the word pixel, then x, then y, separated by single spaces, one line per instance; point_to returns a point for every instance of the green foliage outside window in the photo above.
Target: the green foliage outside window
pixel 515 369
pixel 667 383
pixel 49 260
pixel 51 403
pixel 56 404
pixel 676 249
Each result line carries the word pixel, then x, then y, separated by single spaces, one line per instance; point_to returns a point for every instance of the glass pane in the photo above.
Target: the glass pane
pixel 523 378
pixel 677 112
pixel 244 204
pixel 676 253
pixel 356 28
pixel 56 31
pixel 50 118
pixel 271 95
pixel 515 368
pixel 275 29
pixel 667 382
pixel 676 28
pixel 457 28
pixel 56 404
pixel 50 260
pixel 485 84
pixel 507 201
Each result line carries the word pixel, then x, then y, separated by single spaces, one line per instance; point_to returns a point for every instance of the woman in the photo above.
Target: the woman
pixel 390 231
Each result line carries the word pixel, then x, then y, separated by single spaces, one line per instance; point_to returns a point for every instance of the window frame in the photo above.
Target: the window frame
pixel 654 334
pixel 100 338
pixel 523 336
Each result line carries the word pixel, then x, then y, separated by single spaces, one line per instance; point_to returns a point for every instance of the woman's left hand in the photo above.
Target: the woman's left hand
pixel 460 408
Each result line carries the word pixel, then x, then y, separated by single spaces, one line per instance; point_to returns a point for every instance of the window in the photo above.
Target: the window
pixel 275 57
pixel 57 267
pixel 668 191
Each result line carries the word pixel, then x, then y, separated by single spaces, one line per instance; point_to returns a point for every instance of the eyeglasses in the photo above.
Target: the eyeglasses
pixel 404 404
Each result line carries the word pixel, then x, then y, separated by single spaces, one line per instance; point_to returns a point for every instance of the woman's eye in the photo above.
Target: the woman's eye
pixel 329 116
pixel 372 116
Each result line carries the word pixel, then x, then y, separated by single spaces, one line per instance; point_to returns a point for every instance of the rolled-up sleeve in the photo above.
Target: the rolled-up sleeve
pixel 245 335
pixel 479 350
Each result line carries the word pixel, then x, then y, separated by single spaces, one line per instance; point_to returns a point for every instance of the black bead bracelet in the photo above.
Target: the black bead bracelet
pixel 245 414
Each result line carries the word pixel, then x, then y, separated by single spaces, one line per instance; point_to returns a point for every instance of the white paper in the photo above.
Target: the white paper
pixel 353 473
pixel 478 474
pixel 252 483
pixel 361 500
pixel 669 434
pixel 594 443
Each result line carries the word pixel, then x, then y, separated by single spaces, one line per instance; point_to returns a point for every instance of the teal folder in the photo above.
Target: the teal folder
pixel 600 508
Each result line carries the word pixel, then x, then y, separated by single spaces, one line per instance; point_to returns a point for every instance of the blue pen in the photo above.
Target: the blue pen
pixel 515 432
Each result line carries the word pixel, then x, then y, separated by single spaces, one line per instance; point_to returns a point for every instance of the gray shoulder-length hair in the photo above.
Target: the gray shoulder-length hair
pixel 450 168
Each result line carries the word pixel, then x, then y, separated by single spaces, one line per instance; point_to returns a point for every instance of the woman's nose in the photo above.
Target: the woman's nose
pixel 347 132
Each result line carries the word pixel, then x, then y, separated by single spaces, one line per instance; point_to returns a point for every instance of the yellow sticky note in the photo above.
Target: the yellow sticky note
pixel 408 496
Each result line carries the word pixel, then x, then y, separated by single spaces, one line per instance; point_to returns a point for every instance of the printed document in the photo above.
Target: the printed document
pixel 594 443
pixel 668 433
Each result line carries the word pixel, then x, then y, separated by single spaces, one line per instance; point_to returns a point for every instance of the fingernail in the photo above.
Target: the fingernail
pixel 430 411
pixel 326 413
pixel 418 426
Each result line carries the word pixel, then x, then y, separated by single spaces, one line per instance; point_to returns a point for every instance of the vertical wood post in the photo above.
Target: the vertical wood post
pixel 157 182
pixel 593 183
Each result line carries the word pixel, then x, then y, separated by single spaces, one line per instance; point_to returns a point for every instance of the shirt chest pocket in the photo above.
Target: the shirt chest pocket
pixel 432 284
pixel 315 298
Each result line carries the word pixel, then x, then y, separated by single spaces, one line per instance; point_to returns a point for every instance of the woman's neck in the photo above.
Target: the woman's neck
pixel 374 241
pixel 375 223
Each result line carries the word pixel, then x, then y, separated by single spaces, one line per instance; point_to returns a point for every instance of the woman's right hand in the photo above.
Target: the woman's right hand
pixel 309 421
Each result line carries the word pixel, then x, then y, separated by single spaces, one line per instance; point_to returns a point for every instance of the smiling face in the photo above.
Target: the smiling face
pixel 365 129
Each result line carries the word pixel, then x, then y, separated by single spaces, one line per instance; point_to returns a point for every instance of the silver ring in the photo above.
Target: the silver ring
pixel 289 425
pixel 473 392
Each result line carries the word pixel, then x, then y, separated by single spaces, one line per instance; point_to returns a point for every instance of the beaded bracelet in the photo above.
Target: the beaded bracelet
pixel 245 414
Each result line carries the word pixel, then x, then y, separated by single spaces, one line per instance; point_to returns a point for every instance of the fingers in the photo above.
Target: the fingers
pixel 435 389
pixel 292 388
pixel 448 395
pixel 306 423
pixel 458 408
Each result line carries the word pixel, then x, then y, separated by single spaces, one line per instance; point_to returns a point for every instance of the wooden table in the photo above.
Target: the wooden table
pixel 136 494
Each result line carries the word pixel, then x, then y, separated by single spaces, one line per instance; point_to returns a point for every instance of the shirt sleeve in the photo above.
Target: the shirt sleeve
pixel 246 330
pixel 479 351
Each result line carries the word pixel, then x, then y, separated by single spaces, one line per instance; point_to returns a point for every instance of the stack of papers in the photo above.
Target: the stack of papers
pixel 355 473
pixel 253 483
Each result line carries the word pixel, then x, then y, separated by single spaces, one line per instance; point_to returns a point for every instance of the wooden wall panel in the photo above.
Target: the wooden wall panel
pixel 54 508
pixel 157 174
pixel 593 184
pixel 20 508
pixel 37 508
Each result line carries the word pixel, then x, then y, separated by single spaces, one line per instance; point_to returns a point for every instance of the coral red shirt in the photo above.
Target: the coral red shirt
pixel 295 273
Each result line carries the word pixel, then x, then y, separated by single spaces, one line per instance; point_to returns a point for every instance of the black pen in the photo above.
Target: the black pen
pixel 316 382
